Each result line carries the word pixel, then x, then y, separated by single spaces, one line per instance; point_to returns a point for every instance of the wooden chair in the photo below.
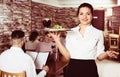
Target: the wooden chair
pixel 114 41
pixel 8 74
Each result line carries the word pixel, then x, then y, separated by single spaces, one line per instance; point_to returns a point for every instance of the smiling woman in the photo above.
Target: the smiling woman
pixel 83 45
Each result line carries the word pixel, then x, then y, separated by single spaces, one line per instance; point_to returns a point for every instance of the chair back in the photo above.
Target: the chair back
pixel 114 41
pixel 9 74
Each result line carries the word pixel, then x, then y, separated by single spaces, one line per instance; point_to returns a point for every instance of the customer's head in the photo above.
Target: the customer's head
pixel 47 38
pixel 33 36
pixel 18 37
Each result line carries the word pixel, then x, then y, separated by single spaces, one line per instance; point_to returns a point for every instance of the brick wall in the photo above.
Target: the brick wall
pixel 27 16
pixel 13 15
pixel 65 17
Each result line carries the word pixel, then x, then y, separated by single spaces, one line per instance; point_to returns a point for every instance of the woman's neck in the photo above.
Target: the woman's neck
pixel 14 45
pixel 82 28
pixel 84 25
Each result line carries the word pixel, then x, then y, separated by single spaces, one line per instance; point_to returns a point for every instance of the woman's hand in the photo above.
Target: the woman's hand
pixel 55 35
pixel 46 68
pixel 112 54
pixel 62 49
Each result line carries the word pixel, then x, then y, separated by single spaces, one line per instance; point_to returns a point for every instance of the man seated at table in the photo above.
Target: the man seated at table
pixel 15 60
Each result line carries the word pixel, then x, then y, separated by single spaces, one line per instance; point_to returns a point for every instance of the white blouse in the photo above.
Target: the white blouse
pixel 87 46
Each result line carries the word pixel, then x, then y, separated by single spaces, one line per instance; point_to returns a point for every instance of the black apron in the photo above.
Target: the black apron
pixel 81 68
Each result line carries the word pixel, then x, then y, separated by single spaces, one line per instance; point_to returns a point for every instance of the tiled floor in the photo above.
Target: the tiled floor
pixel 108 68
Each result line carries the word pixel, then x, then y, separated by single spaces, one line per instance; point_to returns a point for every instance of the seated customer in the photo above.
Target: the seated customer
pixel 15 60
pixel 31 47
pixel 46 46
pixel 31 44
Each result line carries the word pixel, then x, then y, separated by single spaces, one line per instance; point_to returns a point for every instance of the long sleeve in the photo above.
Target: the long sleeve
pixel 100 45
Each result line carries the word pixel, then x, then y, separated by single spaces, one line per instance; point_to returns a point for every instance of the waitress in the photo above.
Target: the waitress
pixel 84 44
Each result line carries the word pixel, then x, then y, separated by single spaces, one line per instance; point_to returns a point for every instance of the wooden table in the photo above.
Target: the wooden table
pixel 55 66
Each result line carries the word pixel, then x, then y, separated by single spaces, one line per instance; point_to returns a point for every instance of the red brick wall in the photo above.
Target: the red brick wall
pixel 66 17
pixel 27 16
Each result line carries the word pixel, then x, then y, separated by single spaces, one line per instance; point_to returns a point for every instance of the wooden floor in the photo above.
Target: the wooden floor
pixel 60 74
pixel 56 68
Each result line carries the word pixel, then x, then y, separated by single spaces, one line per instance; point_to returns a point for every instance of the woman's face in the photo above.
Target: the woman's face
pixel 85 16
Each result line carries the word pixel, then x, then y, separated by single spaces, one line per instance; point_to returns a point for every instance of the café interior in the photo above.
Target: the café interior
pixel 28 15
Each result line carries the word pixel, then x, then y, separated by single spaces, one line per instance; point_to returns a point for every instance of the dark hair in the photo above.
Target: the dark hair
pixel 17 34
pixel 33 35
pixel 85 5
pixel 46 33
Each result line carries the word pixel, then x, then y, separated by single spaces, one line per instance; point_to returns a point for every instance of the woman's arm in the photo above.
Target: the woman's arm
pixel 108 54
pixel 64 52
pixel 100 48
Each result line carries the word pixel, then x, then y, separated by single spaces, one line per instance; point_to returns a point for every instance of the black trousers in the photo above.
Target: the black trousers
pixel 81 68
